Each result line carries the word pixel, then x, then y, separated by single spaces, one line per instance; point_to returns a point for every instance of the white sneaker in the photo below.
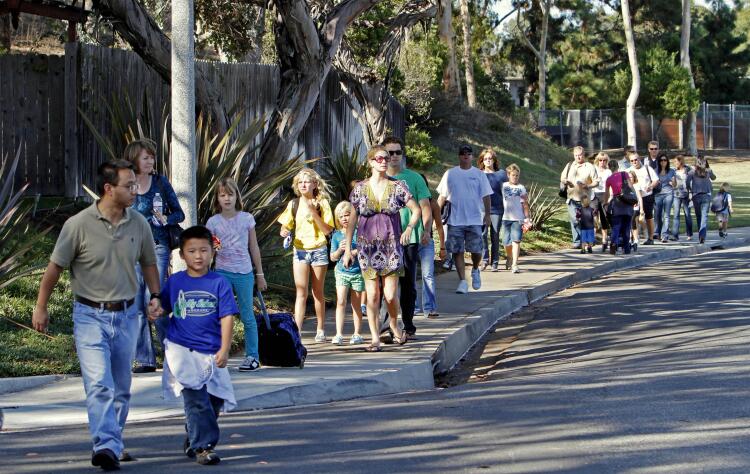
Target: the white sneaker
pixel 320 336
pixel 463 287
pixel 356 339
pixel 337 340
pixel 476 279
pixel 515 269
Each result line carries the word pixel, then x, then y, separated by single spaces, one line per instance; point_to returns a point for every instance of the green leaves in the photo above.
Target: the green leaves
pixel 344 169
pixel 19 253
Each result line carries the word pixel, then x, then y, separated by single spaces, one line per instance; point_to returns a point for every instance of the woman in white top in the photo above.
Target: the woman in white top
pixel 602 169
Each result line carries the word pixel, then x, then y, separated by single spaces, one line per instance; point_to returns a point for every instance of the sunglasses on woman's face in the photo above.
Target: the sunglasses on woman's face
pixel 664 159
pixel 380 158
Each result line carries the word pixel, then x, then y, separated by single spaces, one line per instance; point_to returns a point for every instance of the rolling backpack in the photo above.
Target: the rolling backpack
pixel 279 341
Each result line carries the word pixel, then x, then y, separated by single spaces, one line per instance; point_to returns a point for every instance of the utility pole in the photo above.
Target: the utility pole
pixel 183 161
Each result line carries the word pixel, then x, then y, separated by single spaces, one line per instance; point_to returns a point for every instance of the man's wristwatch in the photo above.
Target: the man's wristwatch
pixel 156 295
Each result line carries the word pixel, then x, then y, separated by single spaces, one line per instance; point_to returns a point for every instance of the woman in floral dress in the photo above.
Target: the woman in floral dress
pixel 380 240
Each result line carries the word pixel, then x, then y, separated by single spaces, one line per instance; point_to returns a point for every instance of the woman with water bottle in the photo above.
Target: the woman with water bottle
pixel 158 203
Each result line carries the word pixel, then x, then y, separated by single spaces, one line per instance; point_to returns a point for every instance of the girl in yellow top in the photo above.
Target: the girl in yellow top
pixel 311 224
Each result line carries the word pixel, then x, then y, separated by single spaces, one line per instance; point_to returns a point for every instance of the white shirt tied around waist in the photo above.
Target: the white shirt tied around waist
pixel 185 368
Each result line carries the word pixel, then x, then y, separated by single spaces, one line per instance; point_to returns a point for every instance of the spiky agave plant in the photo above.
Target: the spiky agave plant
pixel 19 253
pixel 341 170
pixel 542 207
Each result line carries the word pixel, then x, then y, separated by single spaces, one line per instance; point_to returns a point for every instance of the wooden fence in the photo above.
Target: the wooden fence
pixel 40 99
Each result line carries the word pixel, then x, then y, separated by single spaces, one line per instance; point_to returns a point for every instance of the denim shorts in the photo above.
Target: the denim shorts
pixel 512 232
pixel 354 281
pixel 587 236
pixel 464 238
pixel 722 216
pixel 315 257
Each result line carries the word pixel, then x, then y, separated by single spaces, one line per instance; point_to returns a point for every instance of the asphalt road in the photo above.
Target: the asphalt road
pixel 644 371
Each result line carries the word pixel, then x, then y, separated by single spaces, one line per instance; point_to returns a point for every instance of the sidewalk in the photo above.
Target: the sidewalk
pixel 334 373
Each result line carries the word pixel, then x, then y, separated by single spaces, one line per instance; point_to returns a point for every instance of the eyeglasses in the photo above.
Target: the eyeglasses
pixel 395 152
pixel 131 187
pixel 380 158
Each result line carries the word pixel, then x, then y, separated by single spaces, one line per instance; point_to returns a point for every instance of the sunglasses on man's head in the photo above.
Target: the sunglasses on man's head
pixel 395 152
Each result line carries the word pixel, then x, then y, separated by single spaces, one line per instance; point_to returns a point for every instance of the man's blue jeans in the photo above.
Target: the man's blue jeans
pixel 493 249
pixel 242 284
pixel 575 228
pixel 662 208
pixel 681 204
pixel 201 416
pixel 427 303
pixel 105 342
pixel 701 203
pixel 145 355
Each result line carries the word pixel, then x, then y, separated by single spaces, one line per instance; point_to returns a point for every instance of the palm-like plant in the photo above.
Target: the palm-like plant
pixel 343 170
pixel 20 254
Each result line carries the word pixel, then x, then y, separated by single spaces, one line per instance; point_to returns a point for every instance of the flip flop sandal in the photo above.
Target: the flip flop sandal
pixel 401 340
pixel 372 348
pixel 432 315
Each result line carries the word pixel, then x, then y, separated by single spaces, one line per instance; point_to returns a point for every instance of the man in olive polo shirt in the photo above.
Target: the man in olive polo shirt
pixel 101 246
pixel 421 194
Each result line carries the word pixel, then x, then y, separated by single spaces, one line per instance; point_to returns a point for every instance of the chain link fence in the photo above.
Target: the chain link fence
pixel 719 126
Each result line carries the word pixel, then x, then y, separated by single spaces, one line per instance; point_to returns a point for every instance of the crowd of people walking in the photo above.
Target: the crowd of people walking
pixel 118 252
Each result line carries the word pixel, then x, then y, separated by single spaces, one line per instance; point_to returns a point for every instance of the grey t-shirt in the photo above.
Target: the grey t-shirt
pixel 102 256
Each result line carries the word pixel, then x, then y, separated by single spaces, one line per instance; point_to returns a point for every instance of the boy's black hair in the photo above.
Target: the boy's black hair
pixel 196 232
pixel 109 173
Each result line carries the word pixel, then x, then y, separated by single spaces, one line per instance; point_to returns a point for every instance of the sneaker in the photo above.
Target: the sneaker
pixel 649 242
pixel 494 267
pixel 701 240
pixel 664 240
pixel 577 245
pixel 143 369
pixel 337 340
pixel 448 265
pixel 583 250
pixel 604 247
pixel 356 339
pixel 320 336
pixel 106 459
pixel 206 457
pixel 463 287
pixel 249 364
pixel 515 269
pixel 689 237
pixel 189 452
pixel 634 247
pixel 613 249
pixel 589 250
pixel 476 279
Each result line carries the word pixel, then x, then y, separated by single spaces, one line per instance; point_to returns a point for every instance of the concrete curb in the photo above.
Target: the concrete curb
pixel 457 344
pixel 17 384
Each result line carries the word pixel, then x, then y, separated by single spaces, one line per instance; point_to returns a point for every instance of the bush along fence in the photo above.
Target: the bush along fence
pixel 718 127
pixel 41 97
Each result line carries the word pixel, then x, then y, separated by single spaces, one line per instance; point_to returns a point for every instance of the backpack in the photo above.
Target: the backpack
pixel 295 207
pixel 719 202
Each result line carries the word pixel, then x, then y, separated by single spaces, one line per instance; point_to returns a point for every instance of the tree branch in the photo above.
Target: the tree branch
pixel 525 38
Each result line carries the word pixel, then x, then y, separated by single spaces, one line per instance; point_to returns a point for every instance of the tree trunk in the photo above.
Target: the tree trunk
pixel 635 88
pixel 471 89
pixel 141 32
pixel 692 141
pixel 305 57
pixel 541 56
pixel 451 84
pixel 5 33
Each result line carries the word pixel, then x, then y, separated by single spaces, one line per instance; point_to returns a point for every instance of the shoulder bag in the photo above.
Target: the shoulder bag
pixel 173 230
pixel 563 192
pixel 626 196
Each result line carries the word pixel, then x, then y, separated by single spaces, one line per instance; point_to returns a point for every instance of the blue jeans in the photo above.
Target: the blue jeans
pixel 201 417
pixel 621 225
pixel 493 249
pixel 242 285
pixel 681 203
pixel 145 355
pixel 105 343
pixel 427 303
pixel 662 208
pixel 701 203
pixel 575 228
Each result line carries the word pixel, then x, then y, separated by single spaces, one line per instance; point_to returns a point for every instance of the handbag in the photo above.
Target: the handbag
pixel 563 191
pixel 173 230
pixel 627 195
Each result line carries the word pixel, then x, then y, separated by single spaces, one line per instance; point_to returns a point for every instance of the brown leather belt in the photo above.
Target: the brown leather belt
pixel 106 305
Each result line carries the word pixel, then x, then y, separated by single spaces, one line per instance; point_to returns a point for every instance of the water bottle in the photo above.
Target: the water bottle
pixel 287 241
pixel 158 208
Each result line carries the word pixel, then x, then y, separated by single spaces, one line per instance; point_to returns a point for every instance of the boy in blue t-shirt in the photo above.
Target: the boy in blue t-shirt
pixel 197 344
pixel 348 280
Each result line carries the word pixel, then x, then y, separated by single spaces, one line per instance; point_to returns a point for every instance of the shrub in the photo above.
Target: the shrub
pixel 420 152
pixel 542 208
